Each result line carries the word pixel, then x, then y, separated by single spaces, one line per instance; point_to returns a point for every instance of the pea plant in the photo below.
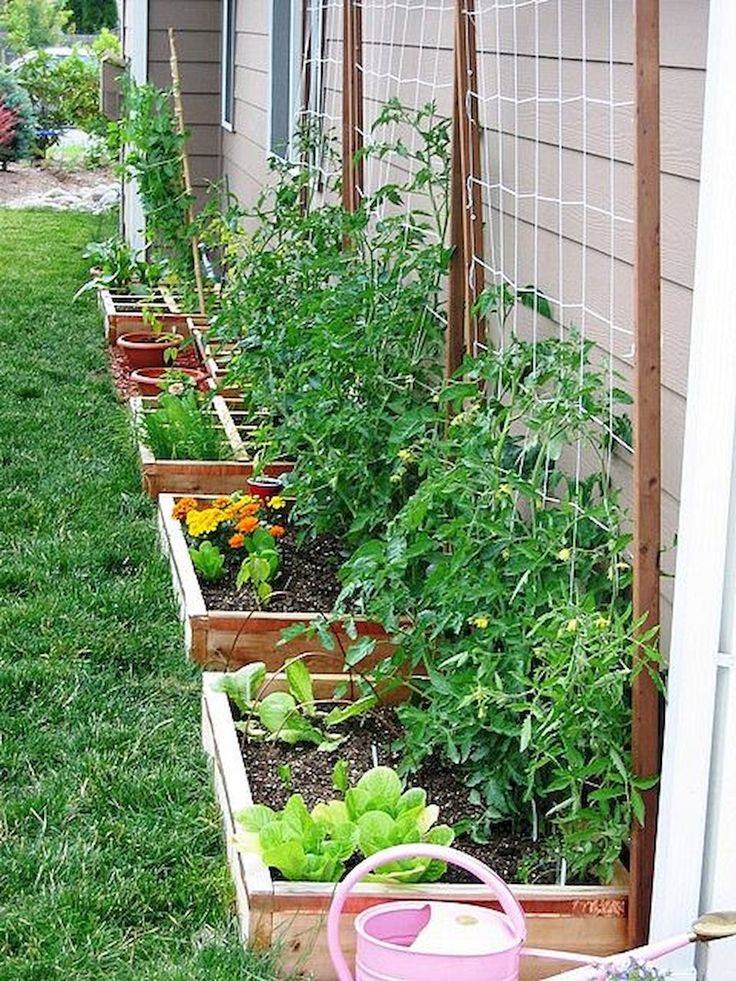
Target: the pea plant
pixel 153 156
pixel 506 575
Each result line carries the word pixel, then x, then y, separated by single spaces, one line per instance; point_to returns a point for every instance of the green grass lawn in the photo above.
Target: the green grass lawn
pixel 111 862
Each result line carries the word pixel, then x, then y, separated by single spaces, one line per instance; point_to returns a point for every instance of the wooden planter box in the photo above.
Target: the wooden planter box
pixel 589 919
pixel 214 355
pixel 197 477
pixel 219 639
pixel 123 312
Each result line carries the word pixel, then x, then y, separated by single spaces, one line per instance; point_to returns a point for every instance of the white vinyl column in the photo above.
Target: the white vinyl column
pixel 696 842
pixel 136 51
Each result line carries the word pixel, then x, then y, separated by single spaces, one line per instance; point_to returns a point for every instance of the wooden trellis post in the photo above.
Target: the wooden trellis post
pixel 466 276
pixel 352 103
pixel 647 449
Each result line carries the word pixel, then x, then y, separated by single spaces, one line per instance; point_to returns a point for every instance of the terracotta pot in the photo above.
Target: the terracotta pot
pixel 265 487
pixel 148 380
pixel 146 350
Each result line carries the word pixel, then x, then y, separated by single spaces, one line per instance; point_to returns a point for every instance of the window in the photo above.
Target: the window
pixel 228 63
pixel 285 74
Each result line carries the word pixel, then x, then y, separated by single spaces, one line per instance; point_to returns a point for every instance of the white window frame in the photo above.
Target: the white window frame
pixel 294 66
pixel 229 40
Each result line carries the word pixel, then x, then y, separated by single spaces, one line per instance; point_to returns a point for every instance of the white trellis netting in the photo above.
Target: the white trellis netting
pixel 553 93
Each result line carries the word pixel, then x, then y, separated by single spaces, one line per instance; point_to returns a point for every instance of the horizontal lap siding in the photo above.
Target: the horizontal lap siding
pixel 533 240
pixel 198 40
pixel 244 151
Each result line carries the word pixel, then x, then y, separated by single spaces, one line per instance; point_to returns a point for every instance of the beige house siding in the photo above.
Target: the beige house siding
pixel 245 150
pixel 198 40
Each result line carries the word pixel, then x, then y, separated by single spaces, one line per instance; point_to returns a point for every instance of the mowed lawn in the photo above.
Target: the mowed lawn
pixel 111 862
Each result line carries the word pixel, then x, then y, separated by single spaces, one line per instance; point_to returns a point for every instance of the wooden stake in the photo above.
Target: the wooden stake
pixel 647 449
pixel 467 134
pixel 179 112
pixel 352 103
pixel 455 338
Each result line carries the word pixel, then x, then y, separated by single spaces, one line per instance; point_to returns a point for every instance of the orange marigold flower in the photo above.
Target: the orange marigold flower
pixel 221 502
pixel 237 541
pixel 276 530
pixel 247 524
pixel 183 506
pixel 252 507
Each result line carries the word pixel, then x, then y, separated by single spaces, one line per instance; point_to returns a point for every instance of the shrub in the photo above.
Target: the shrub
pixel 64 92
pixel 18 126
pixel 34 23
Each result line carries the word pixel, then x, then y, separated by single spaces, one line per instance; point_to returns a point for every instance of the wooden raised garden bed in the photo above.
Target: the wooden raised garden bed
pixel 215 355
pixel 124 311
pixel 230 638
pixel 197 477
pixel 589 919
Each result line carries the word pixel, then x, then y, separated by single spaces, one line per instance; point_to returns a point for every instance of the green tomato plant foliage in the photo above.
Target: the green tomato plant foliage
pixel 338 325
pixel 17 121
pixel 315 846
pixel 506 577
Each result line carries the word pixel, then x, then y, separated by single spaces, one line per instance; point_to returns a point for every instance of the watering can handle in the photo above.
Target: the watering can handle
pixel 509 903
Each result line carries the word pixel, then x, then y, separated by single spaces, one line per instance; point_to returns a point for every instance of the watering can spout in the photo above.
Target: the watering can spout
pixel 715 926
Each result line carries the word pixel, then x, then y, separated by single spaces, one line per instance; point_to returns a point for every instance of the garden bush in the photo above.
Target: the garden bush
pixel 17 121
pixel 64 93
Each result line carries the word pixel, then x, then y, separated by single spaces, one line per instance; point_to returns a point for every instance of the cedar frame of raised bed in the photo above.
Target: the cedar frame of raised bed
pixel 226 639
pixel 199 477
pixel 123 312
pixel 585 919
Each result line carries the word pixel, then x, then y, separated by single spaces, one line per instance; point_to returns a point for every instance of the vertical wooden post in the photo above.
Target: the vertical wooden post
pixel 647 451
pixel 352 103
pixel 467 202
pixel 179 111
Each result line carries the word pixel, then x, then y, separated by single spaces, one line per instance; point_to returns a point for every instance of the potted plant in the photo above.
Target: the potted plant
pixel 149 349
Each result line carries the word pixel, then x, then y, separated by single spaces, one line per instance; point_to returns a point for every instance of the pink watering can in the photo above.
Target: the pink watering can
pixel 436 941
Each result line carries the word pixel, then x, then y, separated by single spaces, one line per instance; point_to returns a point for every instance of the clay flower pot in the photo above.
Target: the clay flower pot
pixel 149 382
pixel 144 349
pixel 265 487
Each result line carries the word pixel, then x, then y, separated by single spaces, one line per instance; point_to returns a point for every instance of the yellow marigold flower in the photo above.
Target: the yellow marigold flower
pixel 183 506
pixel 276 503
pixel 564 555
pixel 221 502
pixel 203 522
pixel 479 621
pixel 572 625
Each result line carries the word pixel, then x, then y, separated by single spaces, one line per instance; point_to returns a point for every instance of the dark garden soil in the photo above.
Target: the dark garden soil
pixel 370 742
pixel 120 370
pixel 305 583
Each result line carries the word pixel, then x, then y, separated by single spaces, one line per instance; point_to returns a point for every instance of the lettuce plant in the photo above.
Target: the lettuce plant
pixel 314 846
pixel 292 716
